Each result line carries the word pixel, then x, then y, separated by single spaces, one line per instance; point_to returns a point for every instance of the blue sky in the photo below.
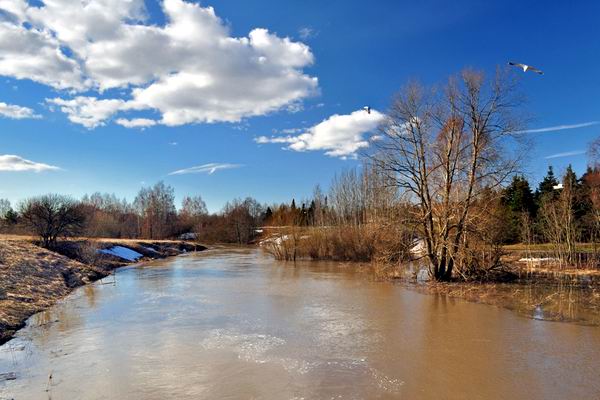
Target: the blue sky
pixel 207 89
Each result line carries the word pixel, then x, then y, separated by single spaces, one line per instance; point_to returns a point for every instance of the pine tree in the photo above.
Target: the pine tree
pixel 268 215
pixel 518 196
pixel 519 202
pixel 546 186
pixel 570 178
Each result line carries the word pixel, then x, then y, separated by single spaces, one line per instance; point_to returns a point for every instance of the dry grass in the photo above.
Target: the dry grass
pixel 548 247
pixel 363 243
pixel 32 279
pixel 28 238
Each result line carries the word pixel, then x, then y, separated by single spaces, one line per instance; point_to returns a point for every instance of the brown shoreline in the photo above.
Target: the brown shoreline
pixel 33 279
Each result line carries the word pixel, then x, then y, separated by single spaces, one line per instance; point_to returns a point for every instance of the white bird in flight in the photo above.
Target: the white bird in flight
pixel 367 109
pixel 526 67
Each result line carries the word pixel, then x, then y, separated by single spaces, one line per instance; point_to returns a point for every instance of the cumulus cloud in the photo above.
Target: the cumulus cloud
pixel 339 135
pixel 209 169
pixel 565 154
pixel 16 112
pixel 190 69
pixel 88 111
pixel 560 127
pixel 12 163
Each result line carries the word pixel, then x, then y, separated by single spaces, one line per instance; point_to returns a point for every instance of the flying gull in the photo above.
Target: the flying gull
pixel 526 67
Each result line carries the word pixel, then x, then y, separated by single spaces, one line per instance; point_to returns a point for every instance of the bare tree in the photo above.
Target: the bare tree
pixel 193 211
pixel 156 208
pixel 594 152
pixel 52 216
pixel 242 217
pixel 444 149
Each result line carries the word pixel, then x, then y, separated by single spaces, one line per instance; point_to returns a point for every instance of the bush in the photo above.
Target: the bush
pixel 363 243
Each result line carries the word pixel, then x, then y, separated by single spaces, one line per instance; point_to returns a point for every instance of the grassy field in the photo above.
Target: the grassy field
pixel 547 247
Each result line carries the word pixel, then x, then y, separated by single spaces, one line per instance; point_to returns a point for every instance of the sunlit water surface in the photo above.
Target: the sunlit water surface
pixel 229 324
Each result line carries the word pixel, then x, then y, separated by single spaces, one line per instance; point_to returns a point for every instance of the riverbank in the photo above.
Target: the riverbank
pixel 33 278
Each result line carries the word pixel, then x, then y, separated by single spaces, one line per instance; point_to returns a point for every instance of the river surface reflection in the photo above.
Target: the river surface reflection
pixel 229 324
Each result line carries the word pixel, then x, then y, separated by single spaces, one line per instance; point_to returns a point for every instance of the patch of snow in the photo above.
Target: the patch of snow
pixel 277 240
pixel 188 236
pixel 122 252
pixel 418 248
pixel 538 260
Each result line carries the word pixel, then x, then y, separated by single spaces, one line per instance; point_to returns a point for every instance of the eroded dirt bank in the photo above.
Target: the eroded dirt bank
pixel 33 278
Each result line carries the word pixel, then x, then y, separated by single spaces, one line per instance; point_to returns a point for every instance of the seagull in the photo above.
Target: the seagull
pixel 367 109
pixel 526 67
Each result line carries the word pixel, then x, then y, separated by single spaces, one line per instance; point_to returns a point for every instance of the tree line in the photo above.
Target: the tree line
pixel 152 215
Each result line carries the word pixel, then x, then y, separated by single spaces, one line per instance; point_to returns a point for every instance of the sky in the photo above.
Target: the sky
pixel 263 98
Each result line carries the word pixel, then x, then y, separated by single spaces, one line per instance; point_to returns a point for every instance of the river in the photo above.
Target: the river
pixel 236 324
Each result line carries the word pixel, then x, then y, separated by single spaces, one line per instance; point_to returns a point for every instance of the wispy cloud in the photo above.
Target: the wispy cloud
pixel 17 112
pixel 560 127
pixel 12 163
pixel 306 33
pixel 209 169
pixel 565 154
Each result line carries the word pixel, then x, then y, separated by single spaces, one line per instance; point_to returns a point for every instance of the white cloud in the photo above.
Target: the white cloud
pixel 210 169
pixel 560 127
pixel 12 163
pixel 190 70
pixel 16 112
pixel 565 154
pixel 339 135
pixel 37 55
pixel 88 111
pixel 136 122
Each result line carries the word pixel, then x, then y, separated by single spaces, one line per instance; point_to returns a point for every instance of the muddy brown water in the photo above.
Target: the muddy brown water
pixel 235 324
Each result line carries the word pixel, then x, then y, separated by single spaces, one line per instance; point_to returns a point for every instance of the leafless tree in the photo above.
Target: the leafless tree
pixel 444 149
pixel 52 216
pixel 594 152
pixel 156 208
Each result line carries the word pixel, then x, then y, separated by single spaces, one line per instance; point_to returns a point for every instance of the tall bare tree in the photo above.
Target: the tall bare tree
pixel 156 208
pixel 444 149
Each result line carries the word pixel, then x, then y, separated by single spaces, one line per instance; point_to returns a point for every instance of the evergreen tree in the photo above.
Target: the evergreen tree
pixel 570 178
pixel 547 184
pixel 519 197
pixel 311 213
pixel 268 215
